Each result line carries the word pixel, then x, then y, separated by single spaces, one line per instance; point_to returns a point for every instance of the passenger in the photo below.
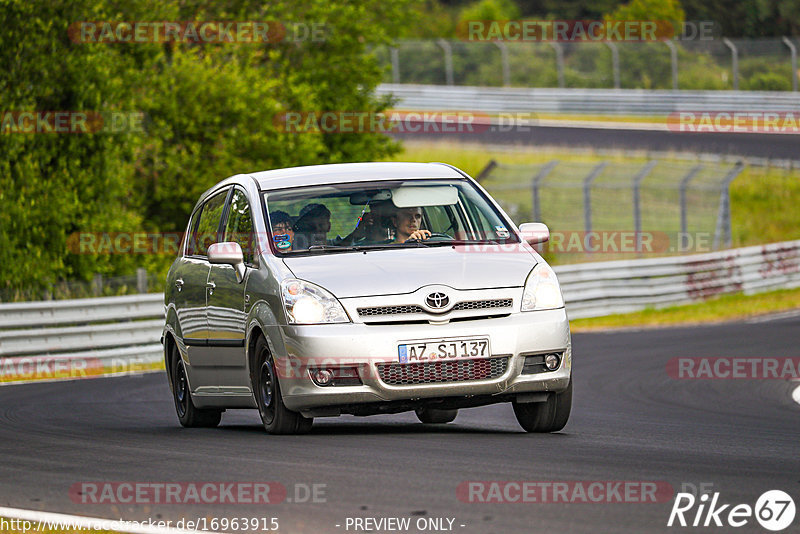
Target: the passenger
pixel 314 222
pixel 282 230
pixel 407 223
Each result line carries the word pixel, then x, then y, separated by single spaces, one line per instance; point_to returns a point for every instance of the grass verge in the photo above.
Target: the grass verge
pixel 715 310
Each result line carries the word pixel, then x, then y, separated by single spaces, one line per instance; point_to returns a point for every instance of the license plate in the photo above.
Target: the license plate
pixel 443 349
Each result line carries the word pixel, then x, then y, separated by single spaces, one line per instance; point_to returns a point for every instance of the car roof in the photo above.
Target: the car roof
pixel 351 172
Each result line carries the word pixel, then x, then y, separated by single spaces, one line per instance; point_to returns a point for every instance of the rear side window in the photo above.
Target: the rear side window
pixel 206 232
pixel 239 227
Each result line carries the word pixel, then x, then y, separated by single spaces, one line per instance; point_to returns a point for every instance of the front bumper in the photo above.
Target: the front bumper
pixel 513 336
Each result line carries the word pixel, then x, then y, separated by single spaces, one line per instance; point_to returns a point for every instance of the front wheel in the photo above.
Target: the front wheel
pixel 188 414
pixel 276 417
pixel 548 416
pixel 431 416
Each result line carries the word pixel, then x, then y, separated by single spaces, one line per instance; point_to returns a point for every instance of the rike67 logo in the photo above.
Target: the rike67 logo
pixel 774 510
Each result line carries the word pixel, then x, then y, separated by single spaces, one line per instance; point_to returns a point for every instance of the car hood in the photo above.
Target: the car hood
pixel 391 272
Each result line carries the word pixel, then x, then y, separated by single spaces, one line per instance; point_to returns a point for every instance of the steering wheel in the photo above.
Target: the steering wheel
pixel 432 236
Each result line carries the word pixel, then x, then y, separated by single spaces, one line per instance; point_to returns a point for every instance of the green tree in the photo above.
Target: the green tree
pixel 490 10
pixel 210 113
pixel 666 10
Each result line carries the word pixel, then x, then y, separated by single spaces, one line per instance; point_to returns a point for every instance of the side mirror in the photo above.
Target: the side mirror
pixel 228 253
pixel 534 233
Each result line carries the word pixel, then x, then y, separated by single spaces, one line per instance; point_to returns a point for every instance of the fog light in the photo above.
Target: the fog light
pixel 322 377
pixel 551 361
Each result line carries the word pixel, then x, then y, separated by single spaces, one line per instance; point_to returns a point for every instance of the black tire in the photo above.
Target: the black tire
pixel 549 416
pixel 188 415
pixel 277 418
pixel 432 416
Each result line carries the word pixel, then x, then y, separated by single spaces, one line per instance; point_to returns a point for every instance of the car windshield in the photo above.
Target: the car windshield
pixel 391 214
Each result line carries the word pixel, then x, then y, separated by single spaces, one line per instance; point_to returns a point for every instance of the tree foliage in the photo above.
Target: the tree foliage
pixel 209 113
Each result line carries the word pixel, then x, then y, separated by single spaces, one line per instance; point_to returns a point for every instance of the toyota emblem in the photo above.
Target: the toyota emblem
pixel 437 300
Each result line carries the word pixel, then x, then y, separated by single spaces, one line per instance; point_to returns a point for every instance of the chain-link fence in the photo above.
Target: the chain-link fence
pixel 613 210
pixel 747 64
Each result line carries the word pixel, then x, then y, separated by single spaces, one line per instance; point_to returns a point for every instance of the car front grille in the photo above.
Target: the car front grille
pixel 413 308
pixel 389 310
pixel 483 304
pixel 405 374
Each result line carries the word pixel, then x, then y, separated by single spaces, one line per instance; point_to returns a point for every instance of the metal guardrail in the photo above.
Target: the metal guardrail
pixel 118 330
pixel 80 337
pixel 600 101
pixel 597 289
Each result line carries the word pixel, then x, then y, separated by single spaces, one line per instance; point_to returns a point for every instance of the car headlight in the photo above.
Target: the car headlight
pixel 542 291
pixel 306 303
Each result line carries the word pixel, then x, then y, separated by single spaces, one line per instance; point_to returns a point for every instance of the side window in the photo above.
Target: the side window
pixel 189 238
pixel 239 227
pixel 439 221
pixel 206 231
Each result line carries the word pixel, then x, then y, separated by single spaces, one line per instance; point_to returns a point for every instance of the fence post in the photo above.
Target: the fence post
pixel 535 181
pixel 673 58
pixel 504 58
pixel 395 55
pixel 614 62
pixel 724 212
pixel 684 216
pixel 793 50
pixel 141 280
pixel 559 62
pixel 637 212
pixel 486 170
pixel 448 60
pixel 97 285
pixel 734 62
pixel 587 195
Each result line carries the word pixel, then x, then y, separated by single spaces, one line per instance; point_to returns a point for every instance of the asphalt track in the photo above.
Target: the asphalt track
pixel 773 146
pixel 630 422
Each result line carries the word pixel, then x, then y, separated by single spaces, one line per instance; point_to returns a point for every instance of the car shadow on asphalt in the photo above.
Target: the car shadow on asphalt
pixel 334 428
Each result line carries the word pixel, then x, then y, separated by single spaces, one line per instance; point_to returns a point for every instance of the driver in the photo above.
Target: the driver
pixel 407 222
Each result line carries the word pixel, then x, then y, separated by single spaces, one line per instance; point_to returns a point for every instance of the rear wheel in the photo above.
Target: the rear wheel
pixel 549 416
pixel 188 414
pixel 433 416
pixel 276 417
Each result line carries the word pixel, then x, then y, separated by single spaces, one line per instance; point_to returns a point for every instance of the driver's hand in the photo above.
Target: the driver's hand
pixel 419 235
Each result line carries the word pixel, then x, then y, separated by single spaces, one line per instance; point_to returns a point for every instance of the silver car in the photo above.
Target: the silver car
pixel 363 288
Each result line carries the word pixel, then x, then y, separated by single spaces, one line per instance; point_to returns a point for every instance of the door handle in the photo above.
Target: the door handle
pixel 179 283
pixel 210 286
